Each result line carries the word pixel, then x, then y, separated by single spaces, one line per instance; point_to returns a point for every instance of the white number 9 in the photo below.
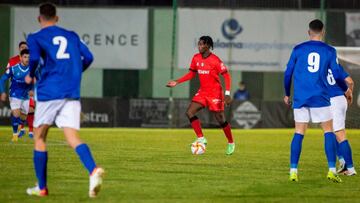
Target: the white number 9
pixel 314 62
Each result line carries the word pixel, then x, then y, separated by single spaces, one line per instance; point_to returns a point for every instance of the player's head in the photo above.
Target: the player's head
pixel 316 28
pixel 242 85
pixel 24 57
pixel 47 13
pixel 205 44
pixel 22 45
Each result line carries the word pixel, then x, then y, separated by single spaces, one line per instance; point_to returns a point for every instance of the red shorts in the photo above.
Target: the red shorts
pixel 214 103
pixel 32 102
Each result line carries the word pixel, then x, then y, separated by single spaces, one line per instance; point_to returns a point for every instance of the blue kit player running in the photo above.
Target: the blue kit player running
pixel 57 91
pixel 19 91
pixel 339 104
pixel 309 64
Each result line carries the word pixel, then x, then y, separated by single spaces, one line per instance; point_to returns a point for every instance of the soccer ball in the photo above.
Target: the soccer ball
pixel 197 148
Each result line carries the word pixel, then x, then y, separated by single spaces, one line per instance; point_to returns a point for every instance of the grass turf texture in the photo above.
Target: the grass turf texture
pixel 156 165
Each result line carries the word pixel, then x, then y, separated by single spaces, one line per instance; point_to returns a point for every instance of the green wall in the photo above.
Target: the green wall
pixel 91 84
pixel 4 36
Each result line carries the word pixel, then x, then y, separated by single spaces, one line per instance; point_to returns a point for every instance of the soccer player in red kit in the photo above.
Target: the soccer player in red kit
pixel 208 66
pixel 30 117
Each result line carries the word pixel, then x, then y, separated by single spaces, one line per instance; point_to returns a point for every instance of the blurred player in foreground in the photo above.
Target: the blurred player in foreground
pixel 309 64
pixel 19 91
pixel 57 89
pixel 208 66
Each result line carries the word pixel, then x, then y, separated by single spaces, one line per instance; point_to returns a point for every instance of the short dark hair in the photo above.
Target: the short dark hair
pixel 316 25
pixel 48 10
pixel 207 40
pixel 21 43
pixel 24 51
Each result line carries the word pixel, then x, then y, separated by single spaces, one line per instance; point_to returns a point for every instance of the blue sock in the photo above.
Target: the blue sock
pixel 15 123
pixel 338 153
pixel 85 156
pixel 296 145
pixel 40 163
pixel 330 148
pixel 345 149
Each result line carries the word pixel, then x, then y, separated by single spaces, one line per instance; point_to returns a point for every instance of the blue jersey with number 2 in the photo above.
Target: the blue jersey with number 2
pixel 63 59
pixel 309 64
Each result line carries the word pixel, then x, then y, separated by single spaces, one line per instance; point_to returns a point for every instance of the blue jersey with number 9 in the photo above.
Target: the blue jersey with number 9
pixel 309 64
pixel 63 58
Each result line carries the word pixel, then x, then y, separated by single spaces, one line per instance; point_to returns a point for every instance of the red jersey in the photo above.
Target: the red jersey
pixel 13 61
pixel 208 70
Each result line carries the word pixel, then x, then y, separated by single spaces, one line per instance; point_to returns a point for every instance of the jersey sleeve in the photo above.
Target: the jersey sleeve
pixel 289 72
pixel 35 52
pixel 86 55
pixel 220 67
pixel 193 66
pixel 4 78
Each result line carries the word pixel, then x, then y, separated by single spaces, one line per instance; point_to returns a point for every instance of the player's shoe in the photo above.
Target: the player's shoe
pixel 202 140
pixel 230 148
pixel 22 133
pixel 333 177
pixel 349 172
pixel 31 135
pixel 15 138
pixel 293 177
pixel 35 191
pixel 342 168
pixel 96 179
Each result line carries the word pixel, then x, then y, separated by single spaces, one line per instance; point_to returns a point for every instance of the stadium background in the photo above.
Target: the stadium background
pixel 115 95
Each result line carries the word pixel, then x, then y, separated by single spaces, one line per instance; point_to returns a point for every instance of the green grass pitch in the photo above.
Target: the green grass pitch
pixel 155 165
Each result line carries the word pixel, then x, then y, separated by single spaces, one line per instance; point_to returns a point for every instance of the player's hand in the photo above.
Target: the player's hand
pixel 287 100
pixel 228 99
pixel 28 79
pixel 3 97
pixel 31 93
pixel 349 96
pixel 171 83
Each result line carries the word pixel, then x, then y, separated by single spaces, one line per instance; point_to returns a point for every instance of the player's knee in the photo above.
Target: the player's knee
pixel 189 114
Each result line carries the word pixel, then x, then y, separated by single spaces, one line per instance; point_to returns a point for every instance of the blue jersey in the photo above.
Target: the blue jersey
pixel 18 88
pixel 64 57
pixel 309 64
pixel 334 88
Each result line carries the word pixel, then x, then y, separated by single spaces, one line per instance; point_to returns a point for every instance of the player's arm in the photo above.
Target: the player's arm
pixel 223 70
pixel 190 75
pixel 288 77
pixel 87 57
pixel 3 79
pixel 35 52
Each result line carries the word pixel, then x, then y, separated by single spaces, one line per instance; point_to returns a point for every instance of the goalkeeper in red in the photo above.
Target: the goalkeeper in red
pixel 208 66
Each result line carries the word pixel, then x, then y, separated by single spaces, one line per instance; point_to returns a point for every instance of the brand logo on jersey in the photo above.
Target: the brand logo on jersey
pixel 215 101
pixel 198 64
pixel 204 72
pixel 231 28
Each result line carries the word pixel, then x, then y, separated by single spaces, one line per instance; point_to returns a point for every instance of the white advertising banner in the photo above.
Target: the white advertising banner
pixel 245 40
pixel 353 29
pixel 118 38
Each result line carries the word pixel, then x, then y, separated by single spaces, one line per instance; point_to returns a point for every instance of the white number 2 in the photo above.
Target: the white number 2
pixel 330 78
pixel 314 62
pixel 62 41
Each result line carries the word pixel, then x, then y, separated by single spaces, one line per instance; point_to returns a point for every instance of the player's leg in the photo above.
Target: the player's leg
pixel 302 118
pixel 193 108
pixel 24 111
pixel 69 120
pixel 22 131
pixel 15 121
pixel 338 109
pixel 40 161
pixel 30 117
pixel 220 118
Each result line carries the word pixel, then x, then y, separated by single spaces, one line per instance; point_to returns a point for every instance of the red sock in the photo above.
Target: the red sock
pixel 30 121
pixel 227 130
pixel 196 125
